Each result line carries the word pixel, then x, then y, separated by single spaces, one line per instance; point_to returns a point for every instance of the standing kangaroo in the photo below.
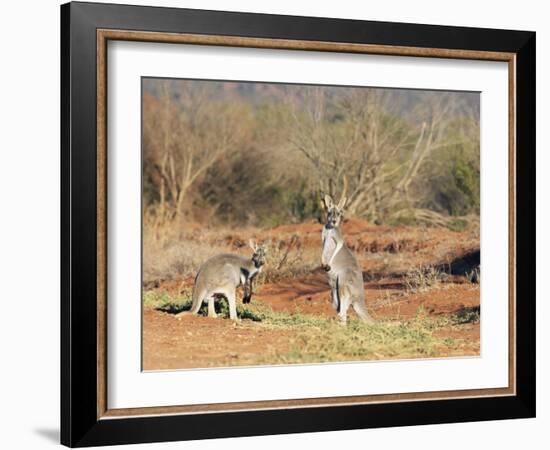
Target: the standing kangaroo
pixel 221 275
pixel 344 273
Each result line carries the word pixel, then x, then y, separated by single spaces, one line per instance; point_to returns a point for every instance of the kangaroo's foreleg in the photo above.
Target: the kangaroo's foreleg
pixel 247 294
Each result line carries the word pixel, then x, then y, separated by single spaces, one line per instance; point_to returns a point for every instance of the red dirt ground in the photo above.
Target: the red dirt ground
pixel 196 341
pixel 169 343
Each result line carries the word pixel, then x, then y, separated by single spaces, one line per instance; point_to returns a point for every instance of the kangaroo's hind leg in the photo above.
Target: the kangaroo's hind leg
pixel 344 299
pixel 212 307
pixel 335 300
pixel 344 305
pixel 231 299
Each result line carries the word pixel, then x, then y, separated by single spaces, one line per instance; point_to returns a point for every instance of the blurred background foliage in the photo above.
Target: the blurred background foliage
pixel 260 154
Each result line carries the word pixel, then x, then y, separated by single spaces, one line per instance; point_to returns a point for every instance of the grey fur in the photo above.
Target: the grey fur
pixel 344 273
pixel 221 275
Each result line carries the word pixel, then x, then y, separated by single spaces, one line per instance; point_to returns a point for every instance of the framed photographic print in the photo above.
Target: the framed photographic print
pixel 276 224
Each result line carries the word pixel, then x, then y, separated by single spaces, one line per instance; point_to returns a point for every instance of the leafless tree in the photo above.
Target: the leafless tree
pixel 184 135
pixel 357 140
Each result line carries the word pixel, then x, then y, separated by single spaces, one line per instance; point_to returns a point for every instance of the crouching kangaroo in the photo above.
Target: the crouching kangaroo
pixel 221 275
pixel 344 273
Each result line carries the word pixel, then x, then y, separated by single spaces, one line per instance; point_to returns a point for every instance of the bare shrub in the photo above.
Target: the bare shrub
pixel 177 259
pixel 473 276
pixel 185 132
pixel 424 278
pixel 287 259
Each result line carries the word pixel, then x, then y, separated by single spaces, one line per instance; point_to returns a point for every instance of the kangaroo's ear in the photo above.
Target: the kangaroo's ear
pixel 342 203
pixel 328 201
pixel 252 244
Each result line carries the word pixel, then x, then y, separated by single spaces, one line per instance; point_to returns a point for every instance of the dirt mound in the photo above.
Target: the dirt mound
pixel 463 264
pixel 356 226
pixel 174 287
pixel 387 244
pixel 449 299
pixel 349 227
pixel 298 228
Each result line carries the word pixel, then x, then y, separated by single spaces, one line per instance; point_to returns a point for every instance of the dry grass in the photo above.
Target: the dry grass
pixel 172 252
pixel 176 250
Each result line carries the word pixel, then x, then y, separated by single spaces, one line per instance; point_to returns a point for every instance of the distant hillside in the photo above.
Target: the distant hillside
pixel 259 92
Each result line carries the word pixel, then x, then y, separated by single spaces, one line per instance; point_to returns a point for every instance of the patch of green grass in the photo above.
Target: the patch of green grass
pixel 467 315
pixel 449 342
pixel 162 301
pixel 246 314
pixel 272 318
pixel 331 341
pixel 320 339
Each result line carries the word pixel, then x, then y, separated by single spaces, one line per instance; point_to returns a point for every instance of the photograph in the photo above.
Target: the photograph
pixel 278 222
pixel 306 224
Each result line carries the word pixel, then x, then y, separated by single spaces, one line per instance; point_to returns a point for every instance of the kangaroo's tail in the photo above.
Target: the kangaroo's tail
pixel 198 296
pixel 361 310
pixel 197 299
